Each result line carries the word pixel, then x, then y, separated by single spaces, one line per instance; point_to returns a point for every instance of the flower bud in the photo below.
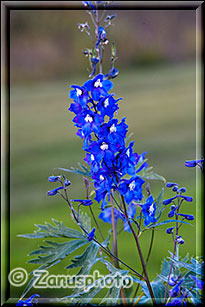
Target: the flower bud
pixel 180 240
pixel 54 191
pixel 171 184
pixel 170 230
pixel 188 217
pixel 182 190
pixel 67 182
pixel 91 235
pixel 175 188
pixel 54 178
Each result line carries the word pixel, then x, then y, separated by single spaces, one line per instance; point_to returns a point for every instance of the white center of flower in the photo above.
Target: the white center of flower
pixel 151 209
pixel 78 92
pixel 98 83
pixel 113 128
pixel 132 185
pixel 88 119
pixel 106 103
pixel 128 152
pixel 104 146
pixel 92 158
pixel 102 177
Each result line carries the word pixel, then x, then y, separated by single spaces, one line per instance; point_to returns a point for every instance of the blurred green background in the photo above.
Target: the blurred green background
pixel 156 59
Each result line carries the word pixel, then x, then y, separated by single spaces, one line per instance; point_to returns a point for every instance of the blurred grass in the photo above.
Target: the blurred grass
pixel 160 107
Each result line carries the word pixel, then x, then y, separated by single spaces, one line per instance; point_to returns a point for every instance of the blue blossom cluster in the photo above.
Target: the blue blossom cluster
pixel 114 166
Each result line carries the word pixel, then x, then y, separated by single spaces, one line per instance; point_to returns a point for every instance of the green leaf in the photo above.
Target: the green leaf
pixel 56 251
pixel 57 231
pixel 84 172
pixel 149 174
pixel 164 223
pixel 84 220
pixel 197 269
pixel 158 288
pixel 86 260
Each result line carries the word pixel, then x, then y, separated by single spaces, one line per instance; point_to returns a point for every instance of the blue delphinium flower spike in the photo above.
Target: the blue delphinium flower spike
pixel 148 210
pixel 91 235
pixel 29 301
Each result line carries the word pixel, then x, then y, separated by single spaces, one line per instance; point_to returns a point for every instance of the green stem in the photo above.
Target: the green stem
pixel 139 252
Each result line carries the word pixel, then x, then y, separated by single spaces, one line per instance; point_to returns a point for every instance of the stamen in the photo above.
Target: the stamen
pixel 104 146
pixel 88 118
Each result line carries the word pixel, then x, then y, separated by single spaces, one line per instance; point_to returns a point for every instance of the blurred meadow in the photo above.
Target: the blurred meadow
pixel 156 51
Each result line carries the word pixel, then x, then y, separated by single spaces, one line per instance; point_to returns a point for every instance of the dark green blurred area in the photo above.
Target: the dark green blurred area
pixel 159 103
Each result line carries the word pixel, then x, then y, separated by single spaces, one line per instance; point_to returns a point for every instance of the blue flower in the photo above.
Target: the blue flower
pixel 67 183
pixel 79 95
pixel 91 235
pixel 98 87
pixel 54 178
pixel 29 301
pixel 180 240
pixel 131 188
pixel 169 200
pixel 55 191
pixel 113 73
pixel 115 133
pixel 90 159
pixel 131 211
pixel 193 163
pixel 148 210
pixel 101 36
pixel 88 121
pixel 102 150
pixel 126 160
pixel 175 291
pixel 108 106
pixel 199 283
pixel 106 215
pixel 188 217
pixel 83 202
pixel 170 230
pixel 171 184
pixel 172 212
pixel 176 302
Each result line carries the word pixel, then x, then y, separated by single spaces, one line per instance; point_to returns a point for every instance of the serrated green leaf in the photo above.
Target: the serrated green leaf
pixel 158 288
pixel 57 231
pixel 57 251
pixel 86 260
pixel 84 220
